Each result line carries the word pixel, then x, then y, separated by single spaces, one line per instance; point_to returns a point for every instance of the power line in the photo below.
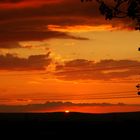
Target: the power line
pixel 112 93
pixel 99 98
pixel 96 98
pixel 85 98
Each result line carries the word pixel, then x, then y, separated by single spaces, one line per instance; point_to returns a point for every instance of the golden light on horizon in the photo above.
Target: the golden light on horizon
pixel 67 111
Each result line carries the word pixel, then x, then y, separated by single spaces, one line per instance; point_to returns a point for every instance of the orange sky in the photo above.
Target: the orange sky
pixel 58 50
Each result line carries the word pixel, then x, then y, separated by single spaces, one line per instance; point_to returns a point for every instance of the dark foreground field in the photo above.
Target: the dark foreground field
pixel 62 125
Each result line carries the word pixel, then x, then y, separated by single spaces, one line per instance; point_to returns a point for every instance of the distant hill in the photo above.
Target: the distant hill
pixel 69 124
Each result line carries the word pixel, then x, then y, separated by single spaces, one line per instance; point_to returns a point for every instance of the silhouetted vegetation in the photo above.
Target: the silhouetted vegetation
pixel 120 9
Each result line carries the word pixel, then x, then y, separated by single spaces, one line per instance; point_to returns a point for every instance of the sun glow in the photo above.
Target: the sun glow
pixel 67 111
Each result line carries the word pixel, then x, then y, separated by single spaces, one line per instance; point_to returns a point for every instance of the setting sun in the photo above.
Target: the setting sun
pixel 67 111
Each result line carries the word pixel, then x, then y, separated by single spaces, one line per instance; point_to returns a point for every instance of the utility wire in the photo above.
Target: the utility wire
pixel 75 98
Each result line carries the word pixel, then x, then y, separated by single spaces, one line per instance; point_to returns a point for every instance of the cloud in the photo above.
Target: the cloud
pixel 12 35
pixel 9 45
pixel 30 23
pixel 10 1
pixel 62 10
pixel 28 20
pixel 81 69
pixel 50 106
pixel 33 62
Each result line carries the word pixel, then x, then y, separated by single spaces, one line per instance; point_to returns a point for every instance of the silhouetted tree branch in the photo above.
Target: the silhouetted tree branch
pixel 120 9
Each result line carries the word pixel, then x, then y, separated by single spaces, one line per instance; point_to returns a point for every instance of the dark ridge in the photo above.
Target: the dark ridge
pixel 69 124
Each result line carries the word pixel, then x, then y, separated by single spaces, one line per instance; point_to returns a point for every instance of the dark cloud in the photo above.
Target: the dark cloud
pixel 10 1
pixel 68 11
pixel 50 106
pixel 64 9
pixel 9 45
pixel 33 62
pixel 81 69
pixel 15 34
pixel 29 21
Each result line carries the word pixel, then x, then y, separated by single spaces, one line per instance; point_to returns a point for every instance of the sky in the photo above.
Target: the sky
pixel 65 51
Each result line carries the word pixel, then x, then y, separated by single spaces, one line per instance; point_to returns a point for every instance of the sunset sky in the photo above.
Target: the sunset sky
pixel 64 50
